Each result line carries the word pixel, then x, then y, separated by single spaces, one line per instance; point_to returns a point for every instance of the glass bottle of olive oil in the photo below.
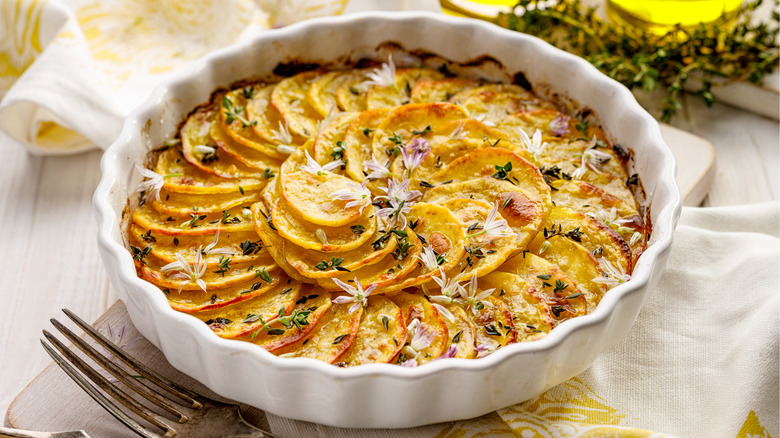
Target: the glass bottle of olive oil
pixel 660 15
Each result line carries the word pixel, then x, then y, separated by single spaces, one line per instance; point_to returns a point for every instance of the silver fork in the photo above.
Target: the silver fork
pixel 179 411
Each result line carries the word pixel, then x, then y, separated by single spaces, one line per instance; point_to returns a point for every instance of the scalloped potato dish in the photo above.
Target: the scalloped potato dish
pixel 386 215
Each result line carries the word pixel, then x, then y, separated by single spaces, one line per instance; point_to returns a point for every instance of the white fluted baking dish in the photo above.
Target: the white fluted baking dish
pixel 382 395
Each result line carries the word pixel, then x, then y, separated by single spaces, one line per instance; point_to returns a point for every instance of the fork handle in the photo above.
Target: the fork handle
pixel 6 432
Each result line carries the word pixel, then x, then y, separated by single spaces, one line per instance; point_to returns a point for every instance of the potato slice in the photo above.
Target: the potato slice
pixel 182 204
pixel 358 139
pixel 282 332
pixel 440 90
pixel 269 124
pixel 532 317
pixel 522 211
pixel 386 273
pixel 576 261
pixel 494 326
pixel 461 330
pixel 290 98
pixel 409 121
pixel 567 155
pixel 275 243
pixel 551 122
pixel 234 105
pixel 246 316
pixel 415 306
pixel 190 225
pixel 330 339
pixel 559 292
pixel 305 234
pixel 380 335
pixel 329 144
pixel 195 133
pixel 405 78
pixel 493 102
pixel 323 91
pixel 310 197
pixel 193 180
pixel 214 278
pixel 440 231
pixel 250 157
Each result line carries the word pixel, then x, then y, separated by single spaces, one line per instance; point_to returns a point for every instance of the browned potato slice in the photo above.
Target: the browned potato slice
pixel 326 146
pixel 380 336
pixel 290 98
pixel 282 331
pixel 415 306
pixel 388 272
pixel 493 102
pixel 604 207
pixel 316 264
pixel 409 121
pixel 567 155
pixel 351 93
pixel 307 235
pixel 576 261
pixel 323 92
pixel 442 233
pixel 358 139
pixel 234 273
pixel 405 79
pixel 194 180
pixel 522 211
pixel 532 317
pixel 334 334
pixel 182 204
pixel 200 152
pixel 246 316
pixel 275 243
pixel 269 124
pixel 257 160
pixel 558 291
pixel 493 162
pixel 551 122
pixel 461 330
pixel 235 107
pixel 310 197
pixel 190 225
pixel 494 326
pixel 599 239
pixel 440 90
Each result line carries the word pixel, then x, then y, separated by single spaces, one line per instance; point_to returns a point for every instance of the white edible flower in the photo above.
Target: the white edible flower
pixel 608 217
pixel 450 289
pixel 470 297
pixel 421 339
pixel 592 159
pixel 378 171
pixel 429 258
pixel 356 195
pixel 314 168
pixel 459 132
pixel 534 145
pixel 612 276
pixel 559 125
pixel 333 114
pixel 207 251
pixel 414 153
pixel 203 150
pixel 452 350
pixel 152 185
pixel 357 295
pixel 283 137
pixel 484 349
pixel 189 273
pixel 444 312
pixel 383 76
pixel 321 235
pixel 494 225
pixel 400 198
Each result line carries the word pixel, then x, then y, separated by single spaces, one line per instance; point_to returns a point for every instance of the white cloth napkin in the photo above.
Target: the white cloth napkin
pixel 71 70
pixel 700 362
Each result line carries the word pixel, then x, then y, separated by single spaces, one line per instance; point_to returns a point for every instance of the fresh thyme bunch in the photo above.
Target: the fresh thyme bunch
pixel 731 49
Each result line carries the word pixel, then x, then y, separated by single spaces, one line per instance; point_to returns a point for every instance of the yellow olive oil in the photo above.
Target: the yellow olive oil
pixel 660 15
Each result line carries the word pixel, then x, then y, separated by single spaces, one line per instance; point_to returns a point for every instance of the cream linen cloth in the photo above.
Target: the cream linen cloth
pixel 700 362
pixel 71 70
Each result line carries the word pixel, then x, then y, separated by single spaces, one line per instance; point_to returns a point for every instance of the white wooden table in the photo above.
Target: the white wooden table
pixel 49 257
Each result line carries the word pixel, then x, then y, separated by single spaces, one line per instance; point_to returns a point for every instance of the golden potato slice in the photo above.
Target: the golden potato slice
pixel 329 144
pixel 283 330
pixel 558 291
pixel 252 158
pixel 461 331
pixel 193 180
pixel 415 306
pixel 316 264
pixel 214 277
pixel 604 207
pixel 406 122
pixel 493 102
pixel 438 230
pixel 290 98
pixel 246 316
pixel 334 334
pixel 567 155
pixel 484 252
pixel 599 239
pixel 183 204
pixel 386 273
pixel 380 335
pixel 405 78
pixel 552 124
pixel 234 106
pixel 440 90
pixel 500 164
pixel 576 261
pixel 269 124
pixel 190 301
pixel 532 317
pixel 310 197
pixel 193 224
pixel 275 243
pixel 522 211
pixel 307 235
pixel 323 91
pixel 200 152
pixel 358 139
pixel 351 93
pixel 494 326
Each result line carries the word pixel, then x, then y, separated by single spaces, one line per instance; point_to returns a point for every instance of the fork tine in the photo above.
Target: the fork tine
pixel 104 384
pixel 142 369
pixel 145 391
